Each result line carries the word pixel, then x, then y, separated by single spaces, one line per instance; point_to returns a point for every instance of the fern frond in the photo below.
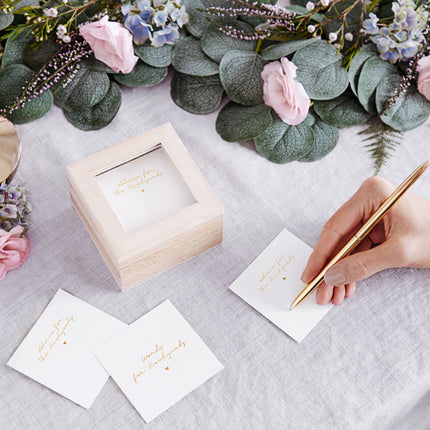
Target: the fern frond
pixel 383 142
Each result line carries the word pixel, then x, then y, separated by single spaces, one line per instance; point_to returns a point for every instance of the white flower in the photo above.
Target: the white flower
pixel 349 36
pixel 61 30
pixel 332 37
pixel 65 1
pixel 310 6
pixel 325 3
pixel 311 28
pixel 66 39
pixel 51 12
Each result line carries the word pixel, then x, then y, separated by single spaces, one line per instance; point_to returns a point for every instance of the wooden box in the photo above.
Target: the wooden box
pixel 146 205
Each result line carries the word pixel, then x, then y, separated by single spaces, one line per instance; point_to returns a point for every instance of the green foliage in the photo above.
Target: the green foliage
pixel 6 19
pixel 156 57
pixel 36 56
pixel 410 110
pixel 12 80
pixel 216 44
pixel 319 69
pixel 142 76
pixel 282 143
pixel 357 63
pixel 383 141
pixel 100 115
pixel 240 73
pixel 14 48
pixel 189 58
pixel 279 50
pixel 374 69
pixel 196 94
pixel 236 123
pixel 343 111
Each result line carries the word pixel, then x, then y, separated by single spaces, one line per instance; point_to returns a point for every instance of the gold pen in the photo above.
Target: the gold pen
pixel 362 233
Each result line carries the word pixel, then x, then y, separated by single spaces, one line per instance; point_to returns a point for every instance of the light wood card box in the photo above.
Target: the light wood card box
pixel 144 253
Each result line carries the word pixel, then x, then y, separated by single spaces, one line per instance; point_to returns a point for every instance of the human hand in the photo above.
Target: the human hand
pixel 400 239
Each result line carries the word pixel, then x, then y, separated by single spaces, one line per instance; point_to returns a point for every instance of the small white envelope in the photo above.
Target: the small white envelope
pixel 272 282
pixel 57 352
pixel 157 360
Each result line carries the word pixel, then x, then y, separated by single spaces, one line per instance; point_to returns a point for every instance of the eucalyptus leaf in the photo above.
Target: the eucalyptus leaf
pixel 275 52
pixel 282 143
pixel 14 48
pixel 189 58
pixel 196 94
pixel 240 73
pixel 215 43
pixel 13 79
pixel 6 18
pixel 25 3
pixel 96 65
pixel 374 69
pixel 411 109
pixel 320 70
pixel 349 23
pixel 36 56
pixel 326 138
pixel 343 111
pixel 357 63
pixel 301 10
pixel 101 114
pixel 236 123
pixel 156 57
pixel 142 76
pixel 86 89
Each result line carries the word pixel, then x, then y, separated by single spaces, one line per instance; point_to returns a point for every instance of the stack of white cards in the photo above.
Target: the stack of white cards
pixel 74 347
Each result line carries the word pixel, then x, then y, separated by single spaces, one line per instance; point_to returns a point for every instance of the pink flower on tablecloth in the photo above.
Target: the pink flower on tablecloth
pixel 14 249
pixel 112 44
pixel 283 93
pixel 423 82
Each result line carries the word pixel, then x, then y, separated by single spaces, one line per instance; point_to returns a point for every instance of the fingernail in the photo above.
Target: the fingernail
pixel 335 276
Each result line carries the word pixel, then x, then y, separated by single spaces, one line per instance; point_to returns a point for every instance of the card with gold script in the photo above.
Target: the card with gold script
pixel 158 360
pixel 57 352
pixel 272 282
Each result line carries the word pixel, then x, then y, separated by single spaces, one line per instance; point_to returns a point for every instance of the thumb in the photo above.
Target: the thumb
pixel 361 265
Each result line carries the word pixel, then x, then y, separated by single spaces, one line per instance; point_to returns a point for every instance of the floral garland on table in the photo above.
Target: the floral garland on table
pixel 293 74
pixel 15 210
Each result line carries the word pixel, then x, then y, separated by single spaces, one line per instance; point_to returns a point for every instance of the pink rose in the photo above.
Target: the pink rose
pixel 14 250
pixel 424 76
pixel 283 93
pixel 112 44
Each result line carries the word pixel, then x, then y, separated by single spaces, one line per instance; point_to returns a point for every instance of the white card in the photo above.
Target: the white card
pixel 158 360
pixel 272 282
pixel 145 190
pixel 57 352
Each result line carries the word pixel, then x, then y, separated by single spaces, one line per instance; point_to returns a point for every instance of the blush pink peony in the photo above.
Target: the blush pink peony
pixel 112 44
pixel 14 250
pixel 424 76
pixel 283 93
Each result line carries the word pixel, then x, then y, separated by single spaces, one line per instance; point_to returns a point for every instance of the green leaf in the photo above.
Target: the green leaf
pixel 326 138
pixel 236 123
pixel 142 76
pixel 101 114
pixel 282 143
pixel 13 79
pixel 215 43
pixel 14 48
pixel 319 69
pixel 301 10
pixel 357 63
pixel 374 69
pixel 189 58
pixel 275 52
pixel 37 56
pixel 343 111
pixel 24 3
pixel 197 94
pixel 96 65
pixel 156 57
pixel 411 109
pixel 85 90
pixel 240 73
pixel 6 19
pixel 349 23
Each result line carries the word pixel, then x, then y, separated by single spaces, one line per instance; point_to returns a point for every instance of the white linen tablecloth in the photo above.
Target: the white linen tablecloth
pixel 366 364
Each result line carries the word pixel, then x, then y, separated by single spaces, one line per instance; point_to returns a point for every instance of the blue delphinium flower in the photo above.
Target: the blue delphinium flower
pixel 14 206
pixel 403 38
pixel 155 20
